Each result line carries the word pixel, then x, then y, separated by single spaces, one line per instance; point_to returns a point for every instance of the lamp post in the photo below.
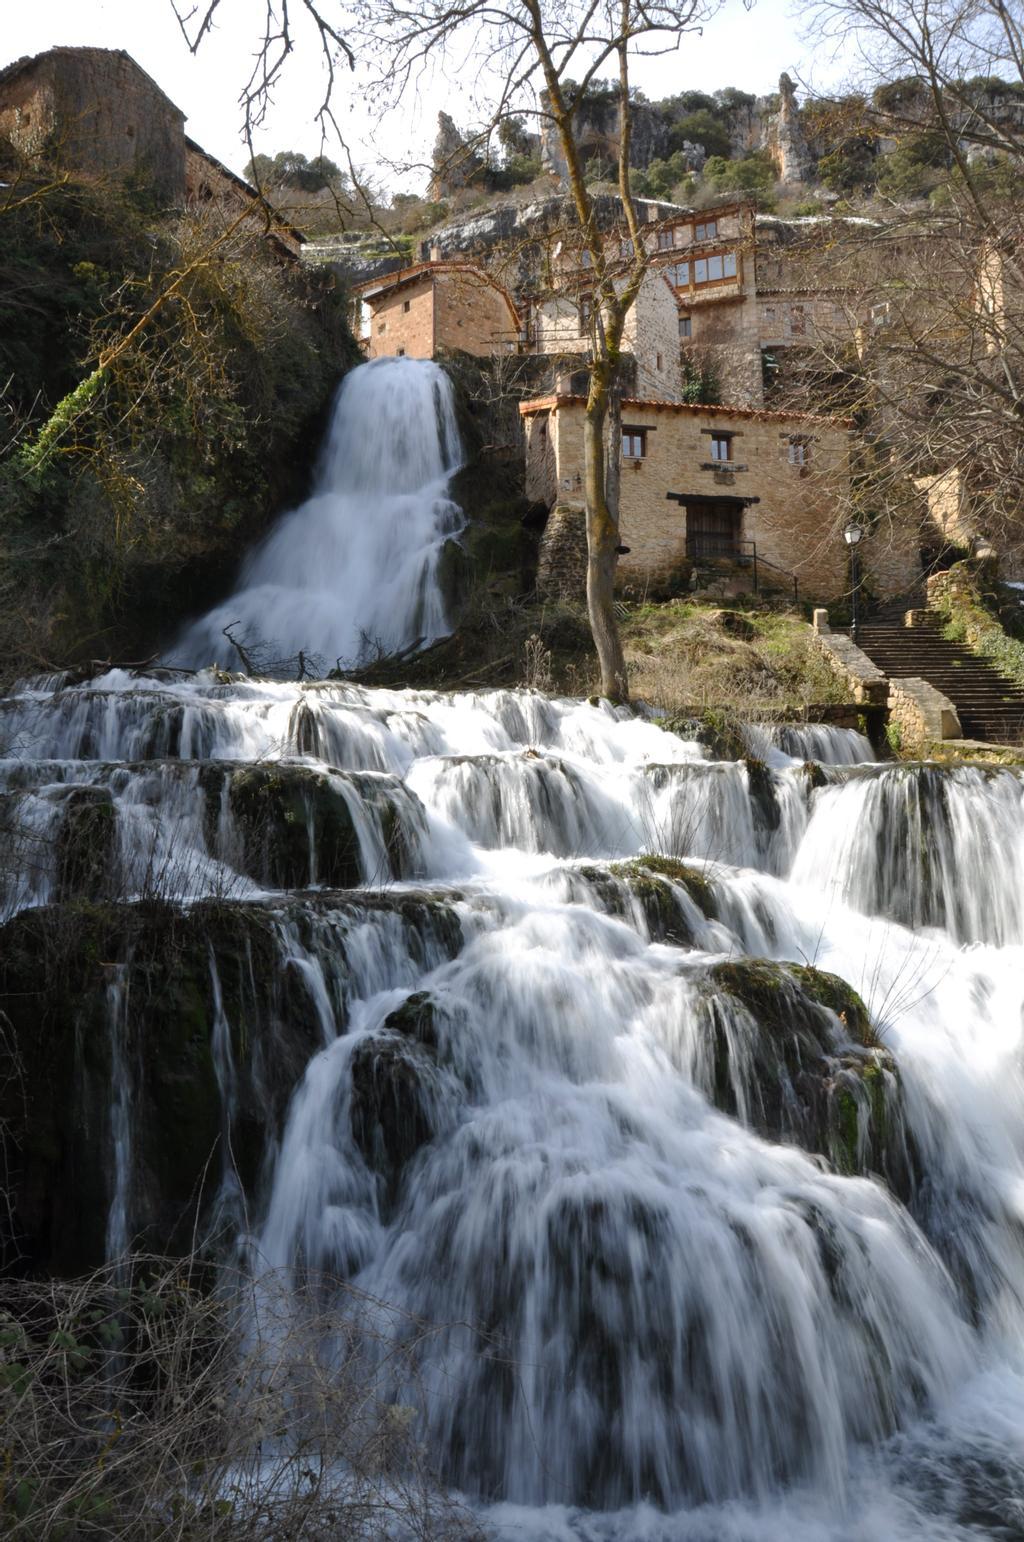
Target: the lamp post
pixel 852 535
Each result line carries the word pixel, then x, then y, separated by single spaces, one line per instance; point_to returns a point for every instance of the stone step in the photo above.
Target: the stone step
pixel 989 706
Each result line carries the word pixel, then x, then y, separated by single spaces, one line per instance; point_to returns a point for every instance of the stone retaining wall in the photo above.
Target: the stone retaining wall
pixel 865 679
pixel 562 563
pixel 921 714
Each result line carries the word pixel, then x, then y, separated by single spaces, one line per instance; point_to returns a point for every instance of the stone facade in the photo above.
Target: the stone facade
pixel 96 112
pixel 209 184
pixel 559 324
pixel 680 506
pixel 436 308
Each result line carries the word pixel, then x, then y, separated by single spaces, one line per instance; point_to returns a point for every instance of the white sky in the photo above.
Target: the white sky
pixel 738 48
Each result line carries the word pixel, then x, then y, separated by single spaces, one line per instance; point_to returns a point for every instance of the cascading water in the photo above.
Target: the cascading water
pixel 355 570
pixel 591 1169
pixel 705 1250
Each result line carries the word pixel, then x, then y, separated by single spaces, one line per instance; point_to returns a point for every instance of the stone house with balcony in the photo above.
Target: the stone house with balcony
pixel 559 325
pixel 742 496
pixel 436 307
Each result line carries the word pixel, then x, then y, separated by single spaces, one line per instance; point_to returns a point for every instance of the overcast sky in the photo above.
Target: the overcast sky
pixel 738 48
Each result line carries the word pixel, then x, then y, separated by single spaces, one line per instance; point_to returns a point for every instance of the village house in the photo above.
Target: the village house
pixel 744 498
pixel 559 324
pixel 95 113
pixel 436 307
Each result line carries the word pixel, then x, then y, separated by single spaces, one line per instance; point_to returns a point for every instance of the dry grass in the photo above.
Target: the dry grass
pixel 757 663
pixel 142 1403
pixel 680 656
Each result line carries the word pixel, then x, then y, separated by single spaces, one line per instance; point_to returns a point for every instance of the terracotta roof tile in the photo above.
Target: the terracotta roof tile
pixel 546 403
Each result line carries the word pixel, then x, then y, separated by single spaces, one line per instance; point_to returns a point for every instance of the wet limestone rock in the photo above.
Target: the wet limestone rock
pixel 172 983
pixel 87 846
pixel 790 1050
pixel 653 883
pixel 296 827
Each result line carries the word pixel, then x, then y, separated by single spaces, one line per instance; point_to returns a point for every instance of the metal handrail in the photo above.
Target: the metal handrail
pixel 758 563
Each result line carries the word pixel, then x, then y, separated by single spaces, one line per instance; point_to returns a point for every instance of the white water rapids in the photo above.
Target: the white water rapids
pixel 650 1317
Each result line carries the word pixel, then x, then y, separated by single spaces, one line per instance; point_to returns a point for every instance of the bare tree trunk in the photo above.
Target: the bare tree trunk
pixel 602 544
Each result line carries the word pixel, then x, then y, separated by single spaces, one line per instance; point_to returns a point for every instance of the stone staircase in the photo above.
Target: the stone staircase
pixel 990 707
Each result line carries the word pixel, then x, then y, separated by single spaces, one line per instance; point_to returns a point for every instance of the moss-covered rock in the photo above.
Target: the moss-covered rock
pixel 193 995
pixel 697 884
pixel 296 827
pixel 393 1101
pixel 761 785
pixel 791 1051
pixel 720 734
pixel 86 846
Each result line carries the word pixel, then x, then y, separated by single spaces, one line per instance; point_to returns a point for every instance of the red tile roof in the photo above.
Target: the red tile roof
pixel 546 403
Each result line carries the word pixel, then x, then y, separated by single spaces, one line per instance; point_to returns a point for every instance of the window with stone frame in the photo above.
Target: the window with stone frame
pixel 634 443
pixel 706 231
pixel 721 446
pixel 799 450
pixel 686 326
pixel 666 240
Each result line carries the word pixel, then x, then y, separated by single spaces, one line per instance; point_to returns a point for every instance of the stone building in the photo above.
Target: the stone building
pixel 96 112
pixel 714 489
pixel 559 324
pixel 436 307
pixel 210 184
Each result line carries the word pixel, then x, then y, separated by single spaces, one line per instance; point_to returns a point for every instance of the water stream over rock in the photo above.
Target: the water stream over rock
pixel 682 1099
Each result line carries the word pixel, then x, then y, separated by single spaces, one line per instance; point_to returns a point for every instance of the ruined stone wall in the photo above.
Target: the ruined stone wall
pixel 794 522
pixel 209 185
pixel 95 112
pixel 402 322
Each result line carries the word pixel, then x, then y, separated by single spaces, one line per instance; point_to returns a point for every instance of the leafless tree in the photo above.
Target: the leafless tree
pixel 932 358
pixel 542 56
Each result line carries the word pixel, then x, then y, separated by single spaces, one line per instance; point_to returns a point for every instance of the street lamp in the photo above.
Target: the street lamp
pixel 852 535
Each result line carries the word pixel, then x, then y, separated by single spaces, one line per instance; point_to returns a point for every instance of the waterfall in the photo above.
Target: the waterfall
pixel 355 571
pixel 695 1228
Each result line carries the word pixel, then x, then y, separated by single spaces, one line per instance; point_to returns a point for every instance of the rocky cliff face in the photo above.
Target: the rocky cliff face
pixel 783 136
pixel 455 164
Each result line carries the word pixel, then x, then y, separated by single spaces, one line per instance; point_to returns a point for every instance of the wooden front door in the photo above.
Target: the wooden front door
pixel 713 529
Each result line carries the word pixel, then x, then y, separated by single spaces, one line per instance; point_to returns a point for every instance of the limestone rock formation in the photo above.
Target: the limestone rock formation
pixel 455 165
pixel 785 137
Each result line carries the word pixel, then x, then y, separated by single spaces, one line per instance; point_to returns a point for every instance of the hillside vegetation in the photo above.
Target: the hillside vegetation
pixel 128 493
